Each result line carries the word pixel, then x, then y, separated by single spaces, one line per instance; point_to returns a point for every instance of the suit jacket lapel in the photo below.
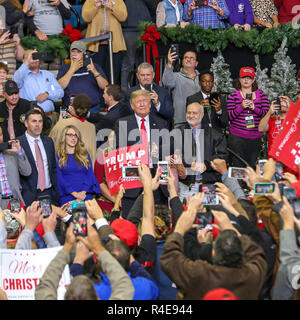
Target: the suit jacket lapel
pixel 26 147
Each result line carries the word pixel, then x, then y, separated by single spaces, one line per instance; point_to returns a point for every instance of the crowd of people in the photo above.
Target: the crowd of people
pixel 180 238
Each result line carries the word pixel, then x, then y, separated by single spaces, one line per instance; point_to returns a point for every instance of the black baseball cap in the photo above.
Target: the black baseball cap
pixel 10 87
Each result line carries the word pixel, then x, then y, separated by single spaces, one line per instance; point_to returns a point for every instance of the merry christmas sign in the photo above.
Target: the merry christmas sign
pixel 114 162
pixel 21 270
pixel 286 146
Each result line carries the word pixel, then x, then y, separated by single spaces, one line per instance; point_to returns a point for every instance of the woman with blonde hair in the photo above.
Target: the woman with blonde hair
pixel 75 176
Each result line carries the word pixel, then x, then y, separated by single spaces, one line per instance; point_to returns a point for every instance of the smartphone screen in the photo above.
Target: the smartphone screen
pixel 249 96
pixel 45 204
pixel 289 193
pixel 147 87
pixel 279 172
pixel 238 173
pixel 130 172
pixel 15 205
pixel 163 170
pixel 296 207
pixel 264 188
pixel 210 197
pixel 79 223
pixel 261 164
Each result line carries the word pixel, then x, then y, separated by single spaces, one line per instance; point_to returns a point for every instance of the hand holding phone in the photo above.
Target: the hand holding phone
pixel 45 204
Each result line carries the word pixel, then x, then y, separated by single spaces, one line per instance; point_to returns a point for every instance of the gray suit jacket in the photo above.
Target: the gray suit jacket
pixel 15 165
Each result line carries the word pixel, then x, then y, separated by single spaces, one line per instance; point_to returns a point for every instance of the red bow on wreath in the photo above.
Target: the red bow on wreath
pixel 74 34
pixel 150 37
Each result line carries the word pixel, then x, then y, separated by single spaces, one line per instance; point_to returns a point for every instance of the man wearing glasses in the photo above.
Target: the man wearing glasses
pixel 183 83
pixel 215 112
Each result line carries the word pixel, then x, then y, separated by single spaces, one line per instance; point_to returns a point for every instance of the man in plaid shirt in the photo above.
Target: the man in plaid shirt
pixel 212 14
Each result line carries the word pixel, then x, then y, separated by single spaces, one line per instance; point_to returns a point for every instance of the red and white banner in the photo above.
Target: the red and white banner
pixel 21 270
pixel 286 146
pixel 115 160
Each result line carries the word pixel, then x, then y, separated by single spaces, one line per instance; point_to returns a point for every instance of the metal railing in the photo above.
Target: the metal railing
pixel 107 36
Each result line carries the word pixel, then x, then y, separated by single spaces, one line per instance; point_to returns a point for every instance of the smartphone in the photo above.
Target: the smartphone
pixel 79 214
pixel 147 87
pixel 45 204
pixel 296 207
pixel 279 172
pixel 213 96
pixel 289 193
pixel 86 59
pixel 210 197
pixel 261 164
pixel 249 96
pixel 237 173
pixel 264 187
pixel 39 56
pixel 15 205
pixel 204 219
pixel 201 3
pixel 163 170
pixel 72 97
pixel 130 172
pixel 64 112
pixel 175 48
pixel 5 146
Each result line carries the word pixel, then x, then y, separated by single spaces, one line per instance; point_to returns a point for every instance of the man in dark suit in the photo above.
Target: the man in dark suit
pixel 205 146
pixel 138 128
pixel 116 109
pixel 215 110
pixel 41 156
pixel 161 103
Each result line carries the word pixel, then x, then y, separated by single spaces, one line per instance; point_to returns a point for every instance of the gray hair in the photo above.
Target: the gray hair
pixel 145 65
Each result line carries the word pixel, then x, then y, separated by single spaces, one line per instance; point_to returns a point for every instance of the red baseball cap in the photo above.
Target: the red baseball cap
pixel 125 231
pixel 220 294
pixel 247 72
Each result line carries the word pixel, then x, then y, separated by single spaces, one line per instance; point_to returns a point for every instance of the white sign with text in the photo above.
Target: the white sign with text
pixel 21 270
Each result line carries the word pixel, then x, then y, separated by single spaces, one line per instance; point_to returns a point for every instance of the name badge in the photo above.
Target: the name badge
pixel 249 122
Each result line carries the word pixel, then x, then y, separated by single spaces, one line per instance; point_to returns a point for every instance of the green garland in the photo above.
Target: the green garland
pixel 213 40
pixel 57 45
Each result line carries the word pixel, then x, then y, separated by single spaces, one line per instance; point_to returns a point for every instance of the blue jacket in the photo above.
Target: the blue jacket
pixel 144 289
pixel 170 12
pixel 240 12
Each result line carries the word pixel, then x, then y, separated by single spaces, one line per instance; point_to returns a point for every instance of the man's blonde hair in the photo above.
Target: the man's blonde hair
pixel 138 93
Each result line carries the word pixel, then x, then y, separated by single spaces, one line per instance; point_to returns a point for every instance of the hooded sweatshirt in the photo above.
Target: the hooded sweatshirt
pixel 240 12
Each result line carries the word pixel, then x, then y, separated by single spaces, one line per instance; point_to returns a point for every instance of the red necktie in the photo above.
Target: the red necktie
pixel 144 132
pixel 40 166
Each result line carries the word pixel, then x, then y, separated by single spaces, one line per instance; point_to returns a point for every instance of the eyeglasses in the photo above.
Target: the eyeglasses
pixel 142 101
pixel 71 135
pixel 189 58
